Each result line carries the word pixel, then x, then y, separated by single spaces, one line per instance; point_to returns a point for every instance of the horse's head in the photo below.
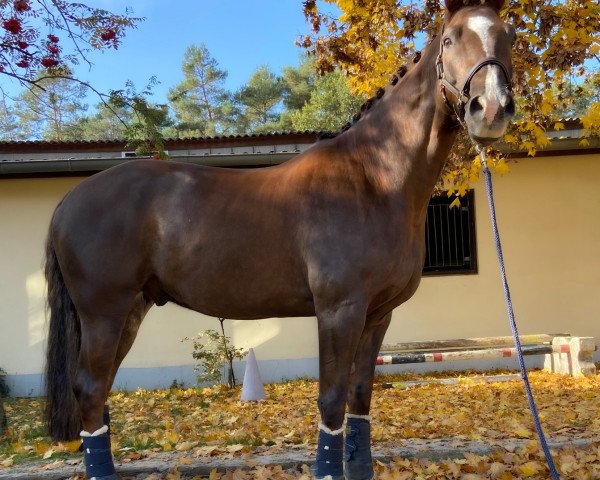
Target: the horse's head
pixel 474 67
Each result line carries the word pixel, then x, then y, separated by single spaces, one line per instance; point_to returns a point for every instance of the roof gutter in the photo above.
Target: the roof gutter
pixel 560 146
pixel 92 165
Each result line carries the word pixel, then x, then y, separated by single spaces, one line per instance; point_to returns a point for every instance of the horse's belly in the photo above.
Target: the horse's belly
pixel 231 305
pixel 239 291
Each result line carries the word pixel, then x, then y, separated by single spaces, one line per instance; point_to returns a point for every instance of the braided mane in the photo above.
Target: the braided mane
pixel 371 101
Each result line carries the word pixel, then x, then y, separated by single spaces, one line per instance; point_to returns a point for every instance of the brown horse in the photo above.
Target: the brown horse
pixel 337 232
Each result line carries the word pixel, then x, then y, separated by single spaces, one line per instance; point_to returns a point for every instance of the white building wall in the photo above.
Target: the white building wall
pixel 548 210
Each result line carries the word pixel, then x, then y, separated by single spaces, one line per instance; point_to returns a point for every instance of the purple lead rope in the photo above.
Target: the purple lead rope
pixel 511 316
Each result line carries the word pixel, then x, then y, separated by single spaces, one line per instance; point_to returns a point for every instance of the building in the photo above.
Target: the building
pixel 547 211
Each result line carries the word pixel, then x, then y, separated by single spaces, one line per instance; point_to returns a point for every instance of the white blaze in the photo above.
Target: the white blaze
pixel 481 26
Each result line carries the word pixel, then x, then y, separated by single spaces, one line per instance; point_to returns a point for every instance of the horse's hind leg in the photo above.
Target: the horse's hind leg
pixel 339 332
pixel 99 341
pixel 359 464
pixel 100 337
pixel 140 308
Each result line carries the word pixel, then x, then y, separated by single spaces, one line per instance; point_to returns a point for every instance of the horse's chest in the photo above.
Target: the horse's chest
pixel 398 287
pixel 399 269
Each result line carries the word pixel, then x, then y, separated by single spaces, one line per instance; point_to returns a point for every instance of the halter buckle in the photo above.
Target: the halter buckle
pixel 439 66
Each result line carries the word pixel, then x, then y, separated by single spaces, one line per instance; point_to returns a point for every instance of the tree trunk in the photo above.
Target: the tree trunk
pixel 230 375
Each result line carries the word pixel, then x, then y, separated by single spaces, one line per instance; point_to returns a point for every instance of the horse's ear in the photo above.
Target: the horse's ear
pixel 453 5
pixel 495 4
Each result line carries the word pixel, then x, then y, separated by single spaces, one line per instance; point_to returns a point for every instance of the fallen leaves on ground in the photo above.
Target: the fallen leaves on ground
pixel 212 422
pixel 526 464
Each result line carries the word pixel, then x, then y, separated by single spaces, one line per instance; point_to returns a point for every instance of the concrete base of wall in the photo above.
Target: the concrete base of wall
pixel 270 371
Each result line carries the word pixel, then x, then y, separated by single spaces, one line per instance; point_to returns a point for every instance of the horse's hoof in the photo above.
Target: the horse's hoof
pixel 358 464
pixel 363 472
pixel 97 456
pixel 330 455
pixel 314 473
pixel 359 469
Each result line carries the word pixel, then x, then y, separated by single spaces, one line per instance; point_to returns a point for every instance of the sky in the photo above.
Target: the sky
pixel 240 34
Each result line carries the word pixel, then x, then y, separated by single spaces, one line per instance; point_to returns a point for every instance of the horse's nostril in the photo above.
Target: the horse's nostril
pixel 509 108
pixel 475 105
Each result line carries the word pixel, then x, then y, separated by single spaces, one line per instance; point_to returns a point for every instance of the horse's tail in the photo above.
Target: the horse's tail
pixel 64 340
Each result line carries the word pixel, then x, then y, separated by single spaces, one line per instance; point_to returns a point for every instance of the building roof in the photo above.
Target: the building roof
pixel 79 145
pixel 39 157
pixel 86 157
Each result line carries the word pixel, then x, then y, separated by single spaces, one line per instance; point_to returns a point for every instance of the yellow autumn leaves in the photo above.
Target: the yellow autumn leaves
pixel 556 51
pixel 194 424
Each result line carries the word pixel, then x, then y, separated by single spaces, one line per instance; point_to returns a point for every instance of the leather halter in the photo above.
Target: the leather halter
pixel 462 95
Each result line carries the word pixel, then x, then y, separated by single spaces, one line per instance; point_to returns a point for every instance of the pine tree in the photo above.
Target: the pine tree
pixel 198 100
pixel 260 101
pixel 330 106
pixel 52 112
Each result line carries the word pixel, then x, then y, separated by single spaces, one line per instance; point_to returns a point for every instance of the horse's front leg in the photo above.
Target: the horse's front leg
pixel 340 328
pixel 359 464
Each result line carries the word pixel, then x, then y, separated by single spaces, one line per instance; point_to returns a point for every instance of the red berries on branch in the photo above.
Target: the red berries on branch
pixel 49 62
pixel 21 5
pixel 108 35
pixel 13 25
pixel 29 44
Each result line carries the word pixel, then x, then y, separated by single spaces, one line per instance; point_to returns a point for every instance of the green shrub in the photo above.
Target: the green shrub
pixel 3 393
pixel 213 352
pixel 4 390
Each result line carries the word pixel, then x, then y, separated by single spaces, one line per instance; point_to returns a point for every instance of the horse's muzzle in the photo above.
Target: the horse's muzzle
pixel 487 117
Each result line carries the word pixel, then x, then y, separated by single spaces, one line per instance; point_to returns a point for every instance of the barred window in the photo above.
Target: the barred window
pixel 450 236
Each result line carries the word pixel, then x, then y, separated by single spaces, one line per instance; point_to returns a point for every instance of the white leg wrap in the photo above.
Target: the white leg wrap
pixel 339 431
pixel 100 431
pixel 352 415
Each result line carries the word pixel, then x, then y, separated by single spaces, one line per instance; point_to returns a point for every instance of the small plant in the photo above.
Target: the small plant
pixel 213 352
pixel 175 385
pixel 3 393
pixel 4 390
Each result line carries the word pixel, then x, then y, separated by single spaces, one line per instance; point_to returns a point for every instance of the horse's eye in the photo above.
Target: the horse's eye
pixel 447 42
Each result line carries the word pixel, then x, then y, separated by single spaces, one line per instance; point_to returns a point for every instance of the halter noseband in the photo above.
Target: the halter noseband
pixel 462 95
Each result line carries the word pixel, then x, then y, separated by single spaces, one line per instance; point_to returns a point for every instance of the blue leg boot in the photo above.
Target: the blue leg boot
pixel 329 463
pixel 359 464
pixel 106 418
pixel 97 455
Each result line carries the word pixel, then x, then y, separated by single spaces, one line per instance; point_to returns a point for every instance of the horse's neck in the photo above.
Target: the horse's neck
pixel 405 138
